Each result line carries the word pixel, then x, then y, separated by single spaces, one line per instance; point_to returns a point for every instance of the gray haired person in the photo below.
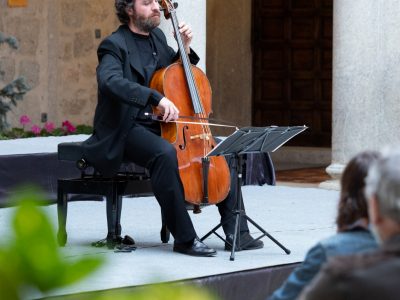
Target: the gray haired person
pixel 373 275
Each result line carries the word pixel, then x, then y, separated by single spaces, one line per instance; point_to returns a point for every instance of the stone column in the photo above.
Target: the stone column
pixel 366 78
pixel 193 13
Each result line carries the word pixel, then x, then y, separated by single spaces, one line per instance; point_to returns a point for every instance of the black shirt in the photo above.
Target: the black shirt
pixel 150 62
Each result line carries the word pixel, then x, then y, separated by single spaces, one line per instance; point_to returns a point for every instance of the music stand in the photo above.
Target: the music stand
pixel 250 140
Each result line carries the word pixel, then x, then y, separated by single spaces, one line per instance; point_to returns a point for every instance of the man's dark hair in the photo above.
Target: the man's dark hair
pixel 120 7
pixel 352 202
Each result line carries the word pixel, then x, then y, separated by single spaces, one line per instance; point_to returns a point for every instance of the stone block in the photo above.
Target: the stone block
pixel 72 13
pixel 31 71
pixel 67 53
pixel 27 35
pixel 84 43
pixel 75 102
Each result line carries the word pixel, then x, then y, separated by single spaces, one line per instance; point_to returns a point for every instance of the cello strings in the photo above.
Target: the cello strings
pixel 192 86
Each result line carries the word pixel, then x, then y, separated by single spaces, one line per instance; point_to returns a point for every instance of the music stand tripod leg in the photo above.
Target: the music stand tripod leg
pixel 236 239
pixel 211 232
pixel 287 251
pixel 239 213
pixel 238 205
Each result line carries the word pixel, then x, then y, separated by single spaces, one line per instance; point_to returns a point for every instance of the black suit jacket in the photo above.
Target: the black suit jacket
pixel 121 95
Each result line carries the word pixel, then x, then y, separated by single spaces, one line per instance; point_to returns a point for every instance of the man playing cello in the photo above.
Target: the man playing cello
pixel 128 59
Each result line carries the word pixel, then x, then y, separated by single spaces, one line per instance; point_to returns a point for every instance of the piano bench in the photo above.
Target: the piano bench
pixel 132 180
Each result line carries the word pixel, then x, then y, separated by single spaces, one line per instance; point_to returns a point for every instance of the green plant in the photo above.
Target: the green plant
pixel 170 291
pixel 31 259
pixel 13 91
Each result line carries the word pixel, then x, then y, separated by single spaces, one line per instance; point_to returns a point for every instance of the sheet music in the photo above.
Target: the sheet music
pixel 230 140
pixel 293 132
pixel 256 139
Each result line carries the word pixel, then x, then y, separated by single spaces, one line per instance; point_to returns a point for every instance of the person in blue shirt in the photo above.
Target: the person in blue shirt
pixel 352 235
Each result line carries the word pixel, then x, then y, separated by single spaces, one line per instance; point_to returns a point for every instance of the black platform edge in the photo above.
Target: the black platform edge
pixel 255 284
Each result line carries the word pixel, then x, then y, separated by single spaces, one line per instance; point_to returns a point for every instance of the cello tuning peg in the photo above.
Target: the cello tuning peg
pixel 175 4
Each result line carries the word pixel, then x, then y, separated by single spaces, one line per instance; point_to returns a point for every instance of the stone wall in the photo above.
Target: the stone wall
pixel 57 53
pixel 57 56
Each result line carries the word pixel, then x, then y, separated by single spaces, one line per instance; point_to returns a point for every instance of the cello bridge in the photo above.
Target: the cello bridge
pixel 202 136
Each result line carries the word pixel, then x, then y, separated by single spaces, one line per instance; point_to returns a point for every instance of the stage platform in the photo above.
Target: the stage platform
pixel 297 217
pixel 35 161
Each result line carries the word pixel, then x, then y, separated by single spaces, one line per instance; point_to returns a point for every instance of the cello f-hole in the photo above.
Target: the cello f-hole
pixel 183 147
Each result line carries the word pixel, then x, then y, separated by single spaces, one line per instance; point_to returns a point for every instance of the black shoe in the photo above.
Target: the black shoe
pixel 246 242
pixel 197 248
pixel 127 240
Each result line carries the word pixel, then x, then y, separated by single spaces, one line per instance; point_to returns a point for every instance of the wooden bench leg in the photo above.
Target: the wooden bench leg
pixel 114 216
pixel 112 199
pixel 165 234
pixel 118 228
pixel 62 209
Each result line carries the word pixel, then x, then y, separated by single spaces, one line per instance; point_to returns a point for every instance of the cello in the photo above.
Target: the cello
pixel 205 179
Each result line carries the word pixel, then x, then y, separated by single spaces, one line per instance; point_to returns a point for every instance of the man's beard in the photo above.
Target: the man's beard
pixel 146 24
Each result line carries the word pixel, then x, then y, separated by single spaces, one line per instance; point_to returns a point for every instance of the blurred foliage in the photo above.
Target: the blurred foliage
pixel 162 292
pixel 13 91
pixel 9 95
pixel 172 291
pixel 10 40
pixel 31 262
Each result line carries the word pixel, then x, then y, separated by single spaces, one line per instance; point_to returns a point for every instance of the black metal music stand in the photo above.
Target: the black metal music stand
pixel 250 140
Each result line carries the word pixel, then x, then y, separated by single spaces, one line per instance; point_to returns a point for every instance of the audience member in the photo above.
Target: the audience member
pixel 352 226
pixel 374 275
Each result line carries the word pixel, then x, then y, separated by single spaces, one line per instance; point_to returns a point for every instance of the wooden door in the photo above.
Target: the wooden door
pixel 292 67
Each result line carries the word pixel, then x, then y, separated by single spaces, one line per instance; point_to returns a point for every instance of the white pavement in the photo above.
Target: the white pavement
pixel 297 217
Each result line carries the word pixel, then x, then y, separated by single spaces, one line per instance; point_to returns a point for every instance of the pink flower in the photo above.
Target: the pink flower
pixel 36 129
pixel 49 127
pixel 24 120
pixel 68 127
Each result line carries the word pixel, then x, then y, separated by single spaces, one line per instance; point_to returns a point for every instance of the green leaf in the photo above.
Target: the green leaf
pixel 80 269
pixel 32 258
pixel 158 292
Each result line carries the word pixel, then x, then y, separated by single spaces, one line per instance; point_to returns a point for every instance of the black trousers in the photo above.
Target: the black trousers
pixel 146 148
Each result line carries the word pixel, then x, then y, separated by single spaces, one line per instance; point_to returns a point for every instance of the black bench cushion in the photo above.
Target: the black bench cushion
pixel 72 151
